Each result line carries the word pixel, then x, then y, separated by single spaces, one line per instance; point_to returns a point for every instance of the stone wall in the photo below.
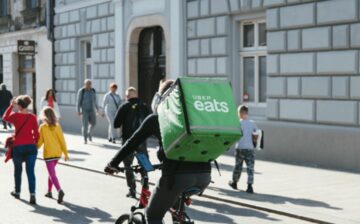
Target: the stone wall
pixel 209 33
pixel 313 61
pixel 96 23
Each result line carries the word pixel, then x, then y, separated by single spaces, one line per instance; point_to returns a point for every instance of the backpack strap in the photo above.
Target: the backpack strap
pixel 217 166
pixel 117 105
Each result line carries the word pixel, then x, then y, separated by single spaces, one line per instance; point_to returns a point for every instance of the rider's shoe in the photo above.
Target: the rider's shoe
pixel 111 169
pixel 250 189
pixel 233 185
pixel 131 194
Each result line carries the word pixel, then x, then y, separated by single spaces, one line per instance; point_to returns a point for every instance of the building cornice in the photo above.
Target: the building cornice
pixel 79 5
pixel 9 35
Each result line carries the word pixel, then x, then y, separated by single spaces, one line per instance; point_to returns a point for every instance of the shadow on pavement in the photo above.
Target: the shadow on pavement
pixel 106 146
pixel 222 211
pixel 77 152
pixel 274 199
pixel 74 214
pixel 230 168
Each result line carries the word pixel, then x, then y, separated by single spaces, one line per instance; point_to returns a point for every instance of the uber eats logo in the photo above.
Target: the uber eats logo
pixel 209 104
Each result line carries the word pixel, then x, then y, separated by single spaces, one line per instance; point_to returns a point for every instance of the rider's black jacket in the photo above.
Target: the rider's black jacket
pixel 150 127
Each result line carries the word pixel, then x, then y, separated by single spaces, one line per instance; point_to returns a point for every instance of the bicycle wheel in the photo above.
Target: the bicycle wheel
pixel 124 219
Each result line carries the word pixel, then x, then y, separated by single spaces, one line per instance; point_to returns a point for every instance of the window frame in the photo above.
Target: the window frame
pixel 256 52
pixel 5 11
pixel 256 35
pixel 29 3
pixel 85 60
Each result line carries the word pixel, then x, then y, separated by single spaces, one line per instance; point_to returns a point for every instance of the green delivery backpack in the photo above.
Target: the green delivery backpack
pixel 198 119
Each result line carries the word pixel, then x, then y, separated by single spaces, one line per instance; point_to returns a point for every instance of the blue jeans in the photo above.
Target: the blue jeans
pixel 27 154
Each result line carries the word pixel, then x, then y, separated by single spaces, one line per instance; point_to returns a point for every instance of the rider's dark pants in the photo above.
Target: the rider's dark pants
pixel 169 189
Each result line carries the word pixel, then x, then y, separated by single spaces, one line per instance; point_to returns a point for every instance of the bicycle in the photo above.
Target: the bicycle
pixel 178 214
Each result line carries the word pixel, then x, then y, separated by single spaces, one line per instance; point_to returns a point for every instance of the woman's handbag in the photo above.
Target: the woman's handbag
pixel 9 142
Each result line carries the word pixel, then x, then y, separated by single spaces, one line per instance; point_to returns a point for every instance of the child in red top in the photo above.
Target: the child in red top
pixel 27 134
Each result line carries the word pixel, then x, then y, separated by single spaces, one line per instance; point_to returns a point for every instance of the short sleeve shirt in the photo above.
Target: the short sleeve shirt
pixel 248 127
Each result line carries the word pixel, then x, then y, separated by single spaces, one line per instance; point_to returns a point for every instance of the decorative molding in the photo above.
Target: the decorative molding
pixel 79 5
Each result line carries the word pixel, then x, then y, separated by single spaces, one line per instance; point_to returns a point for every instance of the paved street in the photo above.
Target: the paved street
pixel 95 198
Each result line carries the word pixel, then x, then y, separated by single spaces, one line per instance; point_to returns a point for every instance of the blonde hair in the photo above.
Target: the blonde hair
pixel 48 115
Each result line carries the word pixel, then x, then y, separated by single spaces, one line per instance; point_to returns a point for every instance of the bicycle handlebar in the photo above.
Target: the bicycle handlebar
pixel 138 168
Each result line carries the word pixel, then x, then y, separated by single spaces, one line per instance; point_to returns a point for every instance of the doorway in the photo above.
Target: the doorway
pixel 151 62
pixel 27 78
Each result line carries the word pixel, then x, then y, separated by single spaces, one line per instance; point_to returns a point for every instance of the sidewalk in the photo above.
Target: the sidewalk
pixel 325 195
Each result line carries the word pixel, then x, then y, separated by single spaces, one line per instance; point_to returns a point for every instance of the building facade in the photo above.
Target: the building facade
pixel 23 23
pixel 295 63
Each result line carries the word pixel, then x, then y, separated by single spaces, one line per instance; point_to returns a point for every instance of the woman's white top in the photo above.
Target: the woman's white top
pixel 44 103
pixel 111 102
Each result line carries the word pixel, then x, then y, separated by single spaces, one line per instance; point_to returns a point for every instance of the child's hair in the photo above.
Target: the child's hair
pixel 48 115
pixel 243 109
pixel 23 101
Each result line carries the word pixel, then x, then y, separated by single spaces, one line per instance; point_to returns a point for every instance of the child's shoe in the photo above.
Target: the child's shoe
pixel 61 197
pixel 233 185
pixel 250 189
pixel 49 195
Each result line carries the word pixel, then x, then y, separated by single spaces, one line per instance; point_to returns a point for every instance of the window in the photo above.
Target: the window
pixel 3 8
pixel 30 4
pixel 87 59
pixel 253 61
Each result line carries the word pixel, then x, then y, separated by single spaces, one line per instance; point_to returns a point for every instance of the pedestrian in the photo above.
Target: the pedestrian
pixel 5 99
pixel 129 116
pixel 111 103
pixel 52 137
pixel 244 150
pixel 49 100
pixel 176 177
pixel 87 107
pixel 24 147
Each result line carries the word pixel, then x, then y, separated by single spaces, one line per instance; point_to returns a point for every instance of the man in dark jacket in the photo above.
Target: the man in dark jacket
pixel 5 99
pixel 130 116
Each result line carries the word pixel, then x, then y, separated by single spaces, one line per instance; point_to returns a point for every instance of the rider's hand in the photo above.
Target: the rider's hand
pixel 66 158
pixel 79 113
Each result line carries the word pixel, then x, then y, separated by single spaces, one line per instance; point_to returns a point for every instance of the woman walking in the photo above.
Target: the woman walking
pixel 24 147
pixel 111 103
pixel 52 137
pixel 49 100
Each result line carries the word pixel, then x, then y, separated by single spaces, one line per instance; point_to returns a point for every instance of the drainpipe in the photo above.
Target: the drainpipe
pixel 51 36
